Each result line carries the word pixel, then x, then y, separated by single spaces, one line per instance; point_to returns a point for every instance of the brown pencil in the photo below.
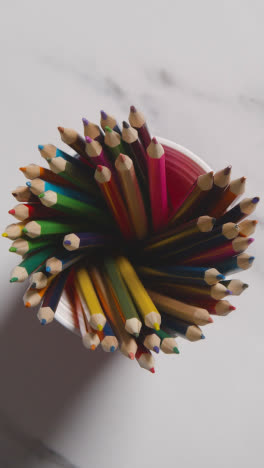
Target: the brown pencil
pixel 74 140
pixel 232 193
pixel 138 121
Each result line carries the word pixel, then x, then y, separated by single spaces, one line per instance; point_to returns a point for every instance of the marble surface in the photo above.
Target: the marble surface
pixel 196 70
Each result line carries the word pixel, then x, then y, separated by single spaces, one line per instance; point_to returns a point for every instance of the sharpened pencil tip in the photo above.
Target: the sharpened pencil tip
pixel 125 124
pixel 4 234
pixel 14 279
pixel 245 286
pixel 61 129
pixel 229 292
pixel 25 230
pixel 202 337
pixel 231 307
pixel 27 304
pixel 67 242
pixel 48 269
pixel 242 179
pixel 41 195
pixel 85 121
pixel 108 129
pixel 227 170
pixel 99 327
pixel 210 320
pixel 156 349
pixel 131 356
pixel 22 169
pixel 156 326
pixel 40 147
pixel 133 109
pixel 255 200
pixel 28 183
pixel 250 240
pixel 122 157
pixel 103 114
pixel 175 350
pixel 12 211
pixel 112 349
pixel 92 347
pixel 12 249
pixel 99 168
pixel 251 259
pixel 33 285
pixel 88 139
pixel 152 370
pixel 43 321
pixel 136 335
pixel 154 140
pixel 220 277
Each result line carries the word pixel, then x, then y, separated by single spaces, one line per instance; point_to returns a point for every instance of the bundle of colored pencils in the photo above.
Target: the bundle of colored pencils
pixel 140 240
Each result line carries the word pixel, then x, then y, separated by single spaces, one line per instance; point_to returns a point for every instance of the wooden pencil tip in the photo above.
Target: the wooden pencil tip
pixel 131 356
pixel 88 139
pixel 27 304
pixel 133 109
pixel 227 170
pixel 152 370
pixel 125 124
pixel 61 129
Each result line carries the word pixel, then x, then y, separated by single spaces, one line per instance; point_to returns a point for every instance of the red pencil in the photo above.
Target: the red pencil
pixel 157 184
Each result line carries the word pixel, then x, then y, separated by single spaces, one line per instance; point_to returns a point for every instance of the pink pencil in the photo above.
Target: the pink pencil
pixel 157 184
pixel 96 154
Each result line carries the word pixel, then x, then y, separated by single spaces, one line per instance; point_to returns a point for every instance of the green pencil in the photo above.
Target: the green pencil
pixel 30 263
pixel 113 142
pixel 47 227
pixel 23 246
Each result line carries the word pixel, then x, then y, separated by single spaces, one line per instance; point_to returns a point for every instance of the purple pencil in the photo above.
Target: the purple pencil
pixel 92 130
pixel 130 137
pixel 96 153
pixel 138 121
pixel 82 240
pixel 109 121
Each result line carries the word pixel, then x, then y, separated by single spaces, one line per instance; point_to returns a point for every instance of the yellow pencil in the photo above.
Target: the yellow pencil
pixel 144 303
pixel 98 319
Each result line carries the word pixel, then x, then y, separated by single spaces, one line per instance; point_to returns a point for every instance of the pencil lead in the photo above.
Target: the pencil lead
pixel 48 269
pixel 133 109
pixel 220 277
pixel 156 349
pixel 40 147
pixel 24 230
pixel 255 200
pixel 242 179
pixel 210 320
pixel 12 249
pixel 152 370
pixel 33 285
pixel 12 211
pixel 227 170
pixel 28 183
pixel 122 157
pixel 99 168
pixel 61 129
pixel 103 114
pixel 136 335
pixel 14 279
pixel 108 129
pixel 67 242
pixel 22 169
pixel 231 307
pixel 125 124
pixel 154 140
pixel 245 286
pixel 85 121
pixel 92 347
pixel 229 292
pixel 156 326
pixel 4 234
pixel 27 304
pixel 213 220
pixel 250 240
pixel 255 222
pixel 43 321
pixel 99 327
pixel 131 356
pixel 88 139
pixel 175 350
pixel 41 195
pixel 112 349
pixel 251 259
pixel 202 337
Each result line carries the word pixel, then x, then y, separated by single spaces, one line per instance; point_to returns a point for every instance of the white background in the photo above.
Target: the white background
pixel 196 70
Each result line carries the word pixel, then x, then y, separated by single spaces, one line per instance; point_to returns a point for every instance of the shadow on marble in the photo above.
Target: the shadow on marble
pixel 43 370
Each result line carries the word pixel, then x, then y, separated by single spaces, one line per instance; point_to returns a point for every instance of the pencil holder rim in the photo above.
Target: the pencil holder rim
pixel 63 312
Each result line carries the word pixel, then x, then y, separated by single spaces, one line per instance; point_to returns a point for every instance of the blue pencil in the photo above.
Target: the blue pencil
pixel 235 264
pixel 184 329
pixel 51 299
pixel 38 186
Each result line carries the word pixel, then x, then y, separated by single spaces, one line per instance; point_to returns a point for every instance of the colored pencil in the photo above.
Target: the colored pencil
pixel 96 153
pixel 47 227
pixel 109 121
pixel 129 313
pixel 183 291
pixel 83 240
pixel 180 235
pixel 234 264
pixel 40 278
pixel 38 186
pixel 138 121
pixel 168 344
pixel 14 231
pixel 32 297
pixel 32 171
pixel 114 200
pixel 191 205
pixel 145 358
pixel 30 263
pixel 51 299
pixel 23 246
pixel 133 197
pixel 51 151
pixel 74 175
pixel 180 310
pixel 23 194
pixel 247 227
pixel 150 339
pixel 92 130
pixel 128 345
pixel 181 328
pixel 220 253
pixel 182 274
pixel 232 193
pixel 157 184
pixel 55 265
pixel 221 183
pixel 136 151
pixel 109 342
pixel 235 286
pixel 73 139
pixel 25 211
pixel 215 307
pixel 113 142
pixel 98 319
pixel 139 294
pixel 245 208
